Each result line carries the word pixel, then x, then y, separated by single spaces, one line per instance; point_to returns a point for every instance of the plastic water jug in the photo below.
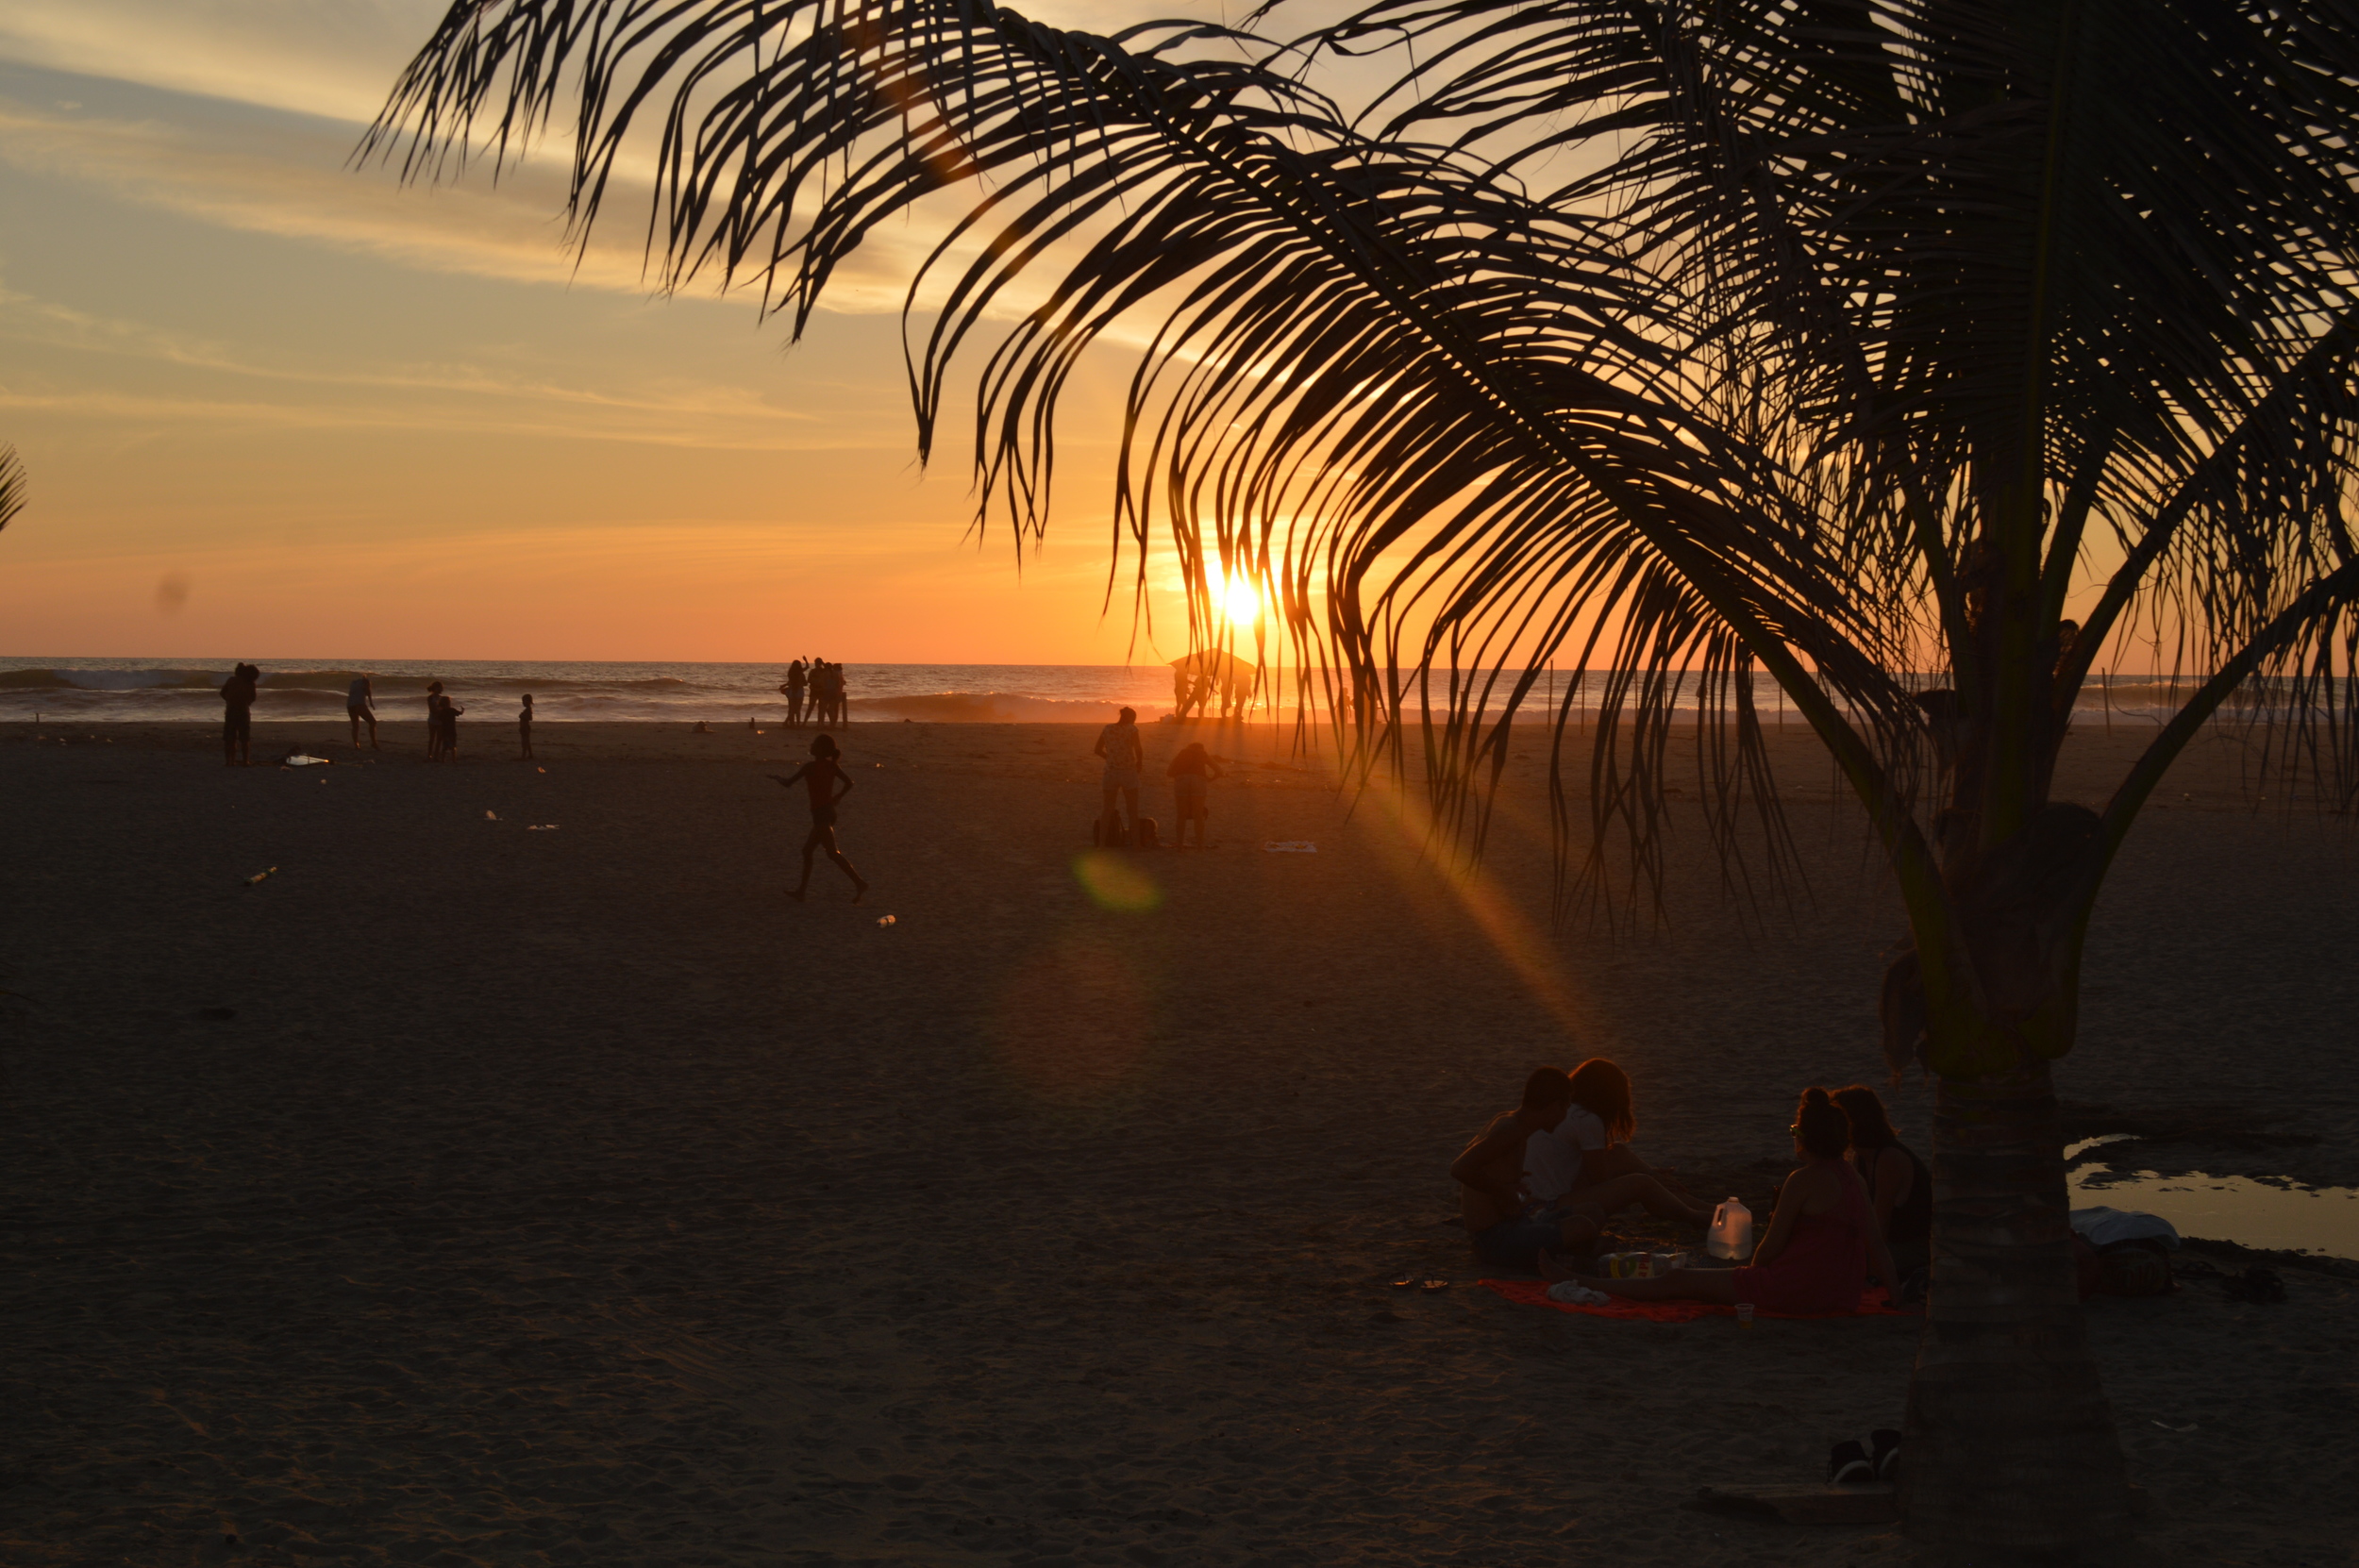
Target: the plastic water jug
pixel 1731 1231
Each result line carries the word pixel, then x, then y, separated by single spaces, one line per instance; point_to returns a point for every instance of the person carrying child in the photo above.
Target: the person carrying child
pixel 1190 772
pixel 820 776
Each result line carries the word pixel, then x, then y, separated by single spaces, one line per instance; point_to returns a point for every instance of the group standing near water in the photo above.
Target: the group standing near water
pixel 239 692
pixel 815 689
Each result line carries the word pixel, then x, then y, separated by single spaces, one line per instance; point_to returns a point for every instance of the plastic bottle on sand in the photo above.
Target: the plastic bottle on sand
pixel 1731 1231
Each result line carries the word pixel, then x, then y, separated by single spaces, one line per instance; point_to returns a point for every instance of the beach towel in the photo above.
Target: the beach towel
pixel 1535 1292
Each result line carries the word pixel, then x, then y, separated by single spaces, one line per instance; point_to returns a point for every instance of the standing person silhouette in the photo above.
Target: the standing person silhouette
pixel 820 776
pixel 524 727
pixel 237 716
pixel 1126 759
pixel 797 677
pixel 360 707
pixel 1190 772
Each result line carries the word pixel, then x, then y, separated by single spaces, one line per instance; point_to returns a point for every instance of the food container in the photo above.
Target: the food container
pixel 1660 1264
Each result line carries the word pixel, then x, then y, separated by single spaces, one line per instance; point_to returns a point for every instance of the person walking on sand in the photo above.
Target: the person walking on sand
pixel 820 776
pixel 797 677
pixel 1190 772
pixel 237 715
pixel 524 729
pixel 360 707
pixel 1126 759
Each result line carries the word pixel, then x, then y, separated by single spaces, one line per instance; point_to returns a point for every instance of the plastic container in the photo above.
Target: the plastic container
pixel 1731 1234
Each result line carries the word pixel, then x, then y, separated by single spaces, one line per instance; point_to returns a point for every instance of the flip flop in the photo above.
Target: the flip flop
pixel 1884 1452
pixel 1438 1284
pixel 1404 1284
pixel 1848 1465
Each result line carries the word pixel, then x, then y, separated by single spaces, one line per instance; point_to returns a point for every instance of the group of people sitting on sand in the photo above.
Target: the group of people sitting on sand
pixel 1538 1185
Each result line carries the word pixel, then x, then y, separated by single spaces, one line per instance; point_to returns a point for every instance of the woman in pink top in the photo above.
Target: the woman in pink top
pixel 1815 1257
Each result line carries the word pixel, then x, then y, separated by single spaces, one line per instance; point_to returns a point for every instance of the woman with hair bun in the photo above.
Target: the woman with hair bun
pixel 1819 1248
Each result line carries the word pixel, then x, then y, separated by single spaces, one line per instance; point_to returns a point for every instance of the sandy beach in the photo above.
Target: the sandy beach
pixel 572 1196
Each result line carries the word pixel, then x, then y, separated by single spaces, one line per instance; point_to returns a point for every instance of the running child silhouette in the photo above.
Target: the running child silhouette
pixel 821 776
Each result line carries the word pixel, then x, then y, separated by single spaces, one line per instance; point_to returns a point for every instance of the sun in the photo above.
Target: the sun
pixel 1240 598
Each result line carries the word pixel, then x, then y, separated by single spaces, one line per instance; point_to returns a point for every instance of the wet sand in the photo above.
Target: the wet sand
pixel 572 1196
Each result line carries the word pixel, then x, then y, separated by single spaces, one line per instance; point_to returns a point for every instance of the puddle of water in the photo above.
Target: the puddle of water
pixel 2231 1209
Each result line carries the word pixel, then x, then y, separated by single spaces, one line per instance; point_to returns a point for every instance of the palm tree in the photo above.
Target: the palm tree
pixel 1824 340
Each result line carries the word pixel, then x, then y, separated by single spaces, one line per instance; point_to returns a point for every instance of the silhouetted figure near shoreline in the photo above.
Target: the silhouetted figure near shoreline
pixel 1191 774
pixel 442 725
pixel 237 715
pixel 797 677
pixel 820 776
pixel 1126 759
pixel 360 707
pixel 524 729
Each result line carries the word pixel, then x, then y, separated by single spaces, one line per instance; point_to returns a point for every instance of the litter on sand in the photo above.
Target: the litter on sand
pixel 250 882
pixel 1289 846
pixel 540 827
pixel 887 920
pixel 540 770
pixel 305 759
pixel 491 816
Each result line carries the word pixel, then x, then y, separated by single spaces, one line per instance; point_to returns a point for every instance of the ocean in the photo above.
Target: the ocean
pixel 82 690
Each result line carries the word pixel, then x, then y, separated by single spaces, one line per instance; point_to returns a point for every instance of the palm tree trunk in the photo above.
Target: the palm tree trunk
pixel 2011 1448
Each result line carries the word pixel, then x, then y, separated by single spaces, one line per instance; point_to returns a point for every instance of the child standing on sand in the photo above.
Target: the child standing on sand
pixel 820 776
pixel 524 727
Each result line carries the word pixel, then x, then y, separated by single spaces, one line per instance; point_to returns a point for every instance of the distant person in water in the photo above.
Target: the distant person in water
pixel 237 715
pixel 797 677
pixel 1821 1246
pixel 1191 774
pixel 1126 759
pixel 820 777
pixel 360 707
pixel 1900 1187
pixel 524 727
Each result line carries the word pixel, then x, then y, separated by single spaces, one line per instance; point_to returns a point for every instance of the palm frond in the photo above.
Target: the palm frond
pixel 1727 336
pixel 12 486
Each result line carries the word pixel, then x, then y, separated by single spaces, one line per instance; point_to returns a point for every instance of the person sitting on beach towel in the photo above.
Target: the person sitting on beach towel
pixel 1513 1225
pixel 1820 1246
pixel 1590 1148
pixel 1509 1230
pixel 1900 1187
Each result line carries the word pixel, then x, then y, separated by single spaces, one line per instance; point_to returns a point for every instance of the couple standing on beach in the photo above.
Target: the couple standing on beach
pixel 1125 754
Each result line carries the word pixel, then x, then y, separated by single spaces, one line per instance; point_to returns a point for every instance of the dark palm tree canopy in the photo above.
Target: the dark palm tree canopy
pixel 1839 339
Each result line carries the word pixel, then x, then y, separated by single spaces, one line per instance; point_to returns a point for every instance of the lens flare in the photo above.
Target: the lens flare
pixel 1241 598
pixel 1116 882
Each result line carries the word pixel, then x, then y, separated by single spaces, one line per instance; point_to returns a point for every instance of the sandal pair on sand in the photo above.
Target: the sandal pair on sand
pixel 1857 1463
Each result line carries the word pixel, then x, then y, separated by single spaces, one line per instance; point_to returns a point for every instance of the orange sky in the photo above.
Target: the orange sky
pixel 276 408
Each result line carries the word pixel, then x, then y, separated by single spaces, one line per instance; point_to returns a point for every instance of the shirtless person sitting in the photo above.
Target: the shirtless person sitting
pixel 1509 1231
pixel 1516 1204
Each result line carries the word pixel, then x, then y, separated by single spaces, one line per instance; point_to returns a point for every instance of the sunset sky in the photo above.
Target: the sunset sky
pixel 273 406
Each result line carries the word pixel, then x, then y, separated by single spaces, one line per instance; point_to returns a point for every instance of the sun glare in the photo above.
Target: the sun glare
pixel 1240 598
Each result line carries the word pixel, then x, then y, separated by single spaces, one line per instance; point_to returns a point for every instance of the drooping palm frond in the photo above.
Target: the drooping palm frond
pixel 12 486
pixel 1839 326
pixel 1452 426
pixel 2014 269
